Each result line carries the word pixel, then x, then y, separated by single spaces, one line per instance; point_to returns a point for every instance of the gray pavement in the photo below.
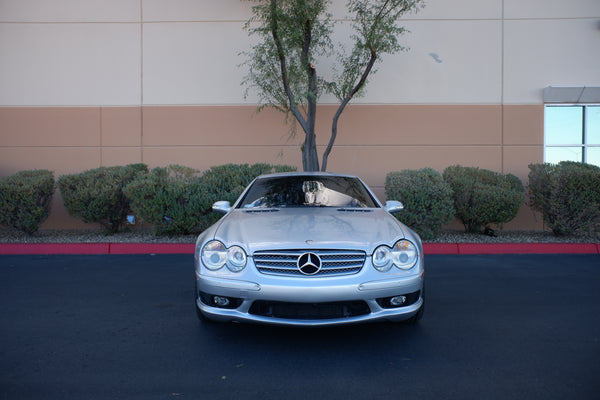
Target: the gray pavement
pixel 124 327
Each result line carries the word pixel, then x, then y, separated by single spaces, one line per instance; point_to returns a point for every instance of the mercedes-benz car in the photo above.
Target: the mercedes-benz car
pixel 309 249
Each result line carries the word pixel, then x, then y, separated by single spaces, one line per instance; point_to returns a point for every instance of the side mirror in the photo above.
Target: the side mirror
pixel 393 206
pixel 222 207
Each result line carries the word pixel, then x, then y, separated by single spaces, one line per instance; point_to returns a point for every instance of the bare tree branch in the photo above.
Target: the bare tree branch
pixel 344 103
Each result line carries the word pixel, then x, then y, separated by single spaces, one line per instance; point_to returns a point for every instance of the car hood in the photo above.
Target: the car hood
pixel 299 228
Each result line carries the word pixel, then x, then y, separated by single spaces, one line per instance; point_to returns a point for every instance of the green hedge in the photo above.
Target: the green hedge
pixel 172 199
pixel 97 195
pixel 178 200
pixel 568 196
pixel 482 197
pixel 427 200
pixel 25 199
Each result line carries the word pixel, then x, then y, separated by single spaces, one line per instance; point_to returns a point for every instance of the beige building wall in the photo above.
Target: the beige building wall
pixel 88 83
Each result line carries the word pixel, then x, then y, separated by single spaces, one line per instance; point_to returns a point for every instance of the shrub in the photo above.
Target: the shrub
pixel 427 200
pixel 567 194
pixel 177 200
pixel 97 195
pixel 172 199
pixel 25 199
pixel 482 197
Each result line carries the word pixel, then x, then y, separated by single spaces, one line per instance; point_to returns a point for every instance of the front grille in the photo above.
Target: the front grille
pixel 333 262
pixel 334 310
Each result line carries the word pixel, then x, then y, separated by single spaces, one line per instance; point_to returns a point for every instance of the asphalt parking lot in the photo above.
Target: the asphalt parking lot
pixel 124 327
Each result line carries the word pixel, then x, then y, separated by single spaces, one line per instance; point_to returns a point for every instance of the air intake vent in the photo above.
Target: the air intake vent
pixel 261 211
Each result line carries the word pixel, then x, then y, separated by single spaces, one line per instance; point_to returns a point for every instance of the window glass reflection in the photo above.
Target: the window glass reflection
pixel 593 155
pixel 307 191
pixel 555 155
pixel 593 124
pixel 564 125
pixel 572 132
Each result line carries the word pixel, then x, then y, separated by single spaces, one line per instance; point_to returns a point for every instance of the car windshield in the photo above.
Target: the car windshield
pixel 307 191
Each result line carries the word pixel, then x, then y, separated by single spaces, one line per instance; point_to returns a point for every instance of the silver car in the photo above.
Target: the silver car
pixel 309 249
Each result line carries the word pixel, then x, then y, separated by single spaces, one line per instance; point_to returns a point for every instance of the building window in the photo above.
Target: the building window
pixel 572 133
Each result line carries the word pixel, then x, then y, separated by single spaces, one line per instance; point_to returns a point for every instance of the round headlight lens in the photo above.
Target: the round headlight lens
pixel 404 254
pixel 382 258
pixel 214 255
pixel 236 259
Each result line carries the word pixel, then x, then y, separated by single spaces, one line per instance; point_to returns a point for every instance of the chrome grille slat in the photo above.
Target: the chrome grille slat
pixel 334 262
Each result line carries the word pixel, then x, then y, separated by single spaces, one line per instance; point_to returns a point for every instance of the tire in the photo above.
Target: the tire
pixel 201 317
pixel 419 315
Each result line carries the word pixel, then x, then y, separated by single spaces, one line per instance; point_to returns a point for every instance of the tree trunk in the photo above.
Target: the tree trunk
pixel 310 142
pixel 310 158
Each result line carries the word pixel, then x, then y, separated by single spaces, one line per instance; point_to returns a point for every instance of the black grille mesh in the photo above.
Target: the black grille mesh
pixel 285 262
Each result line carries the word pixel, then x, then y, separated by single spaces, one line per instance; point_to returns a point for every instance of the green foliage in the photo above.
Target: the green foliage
pixel 97 195
pixel 427 200
pixel 294 38
pixel 172 199
pixel 178 200
pixel 290 20
pixel 482 197
pixel 303 29
pixel 568 196
pixel 376 28
pixel 25 199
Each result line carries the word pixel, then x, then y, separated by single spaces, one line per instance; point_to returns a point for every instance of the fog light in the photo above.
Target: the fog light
pixel 220 301
pixel 397 300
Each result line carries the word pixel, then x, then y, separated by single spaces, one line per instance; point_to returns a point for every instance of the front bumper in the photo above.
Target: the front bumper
pixel 317 302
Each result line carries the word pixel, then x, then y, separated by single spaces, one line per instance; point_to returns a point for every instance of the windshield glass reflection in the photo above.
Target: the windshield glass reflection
pixel 307 191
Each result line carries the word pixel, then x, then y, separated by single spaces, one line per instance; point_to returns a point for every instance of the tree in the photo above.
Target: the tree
pixel 294 35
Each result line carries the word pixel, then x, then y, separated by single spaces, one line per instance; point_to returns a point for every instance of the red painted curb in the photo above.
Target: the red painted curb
pixel 528 248
pixel 151 248
pixel 440 248
pixel 188 248
pixel 54 248
pixel 96 248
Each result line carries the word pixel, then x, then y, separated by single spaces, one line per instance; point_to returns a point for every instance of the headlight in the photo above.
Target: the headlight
pixel 236 259
pixel 403 255
pixel 215 255
pixel 382 258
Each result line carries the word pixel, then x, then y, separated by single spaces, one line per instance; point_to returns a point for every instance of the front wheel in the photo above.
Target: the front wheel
pixel 201 317
pixel 419 315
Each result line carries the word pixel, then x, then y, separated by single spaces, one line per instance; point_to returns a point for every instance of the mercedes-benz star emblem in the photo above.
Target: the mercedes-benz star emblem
pixel 309 263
